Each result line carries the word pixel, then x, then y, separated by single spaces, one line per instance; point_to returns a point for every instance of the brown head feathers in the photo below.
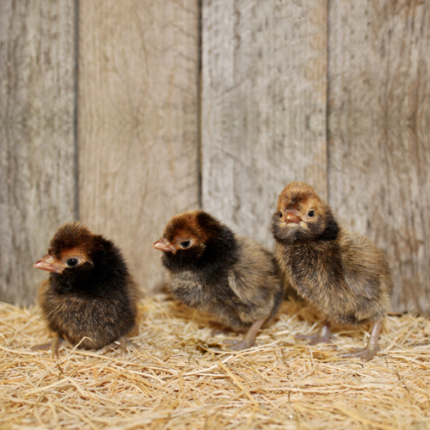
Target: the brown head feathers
pixel 70 236
pixel 191 231
pixel 196 224
pixel 302 215
pixel 297 194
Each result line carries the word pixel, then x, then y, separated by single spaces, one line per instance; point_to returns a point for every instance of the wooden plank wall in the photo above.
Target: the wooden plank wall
pixel 266 78
pixel 332 92
pixel 37 184
pixel 263 106
pixel 137 122
pixel 137 128
pixel 379 139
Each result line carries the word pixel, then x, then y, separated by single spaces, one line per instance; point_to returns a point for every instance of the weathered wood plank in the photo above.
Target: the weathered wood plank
pixel 263 106
pixel 137 122
pixel 37 185
pixel 379 139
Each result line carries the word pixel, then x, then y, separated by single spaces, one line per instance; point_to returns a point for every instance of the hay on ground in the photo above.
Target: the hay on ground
pixel 178 377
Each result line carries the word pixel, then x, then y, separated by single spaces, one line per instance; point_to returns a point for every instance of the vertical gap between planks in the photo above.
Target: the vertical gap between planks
pixel 75 113
pixel 327 113
pixel 199 105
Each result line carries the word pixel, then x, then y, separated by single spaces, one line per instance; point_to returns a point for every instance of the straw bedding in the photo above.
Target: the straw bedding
pixel 176 376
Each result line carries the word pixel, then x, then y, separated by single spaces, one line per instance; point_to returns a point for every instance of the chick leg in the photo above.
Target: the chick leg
pixel 219 329
pixel 372 347
pixel 249 338
pixel 54 344
pixel 123 342
pixel 324 336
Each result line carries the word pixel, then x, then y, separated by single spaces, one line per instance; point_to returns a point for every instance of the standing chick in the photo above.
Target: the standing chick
pixel 89 294
pixel 341 273
pixel 231 277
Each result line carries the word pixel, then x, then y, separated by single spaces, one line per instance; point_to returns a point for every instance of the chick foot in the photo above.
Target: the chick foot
pixel 42 347
pixel 324 336
pixel 366 354
pixel 249 338
pixel 239 346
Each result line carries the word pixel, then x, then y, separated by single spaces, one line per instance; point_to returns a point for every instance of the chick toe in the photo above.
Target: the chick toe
pixel 366 354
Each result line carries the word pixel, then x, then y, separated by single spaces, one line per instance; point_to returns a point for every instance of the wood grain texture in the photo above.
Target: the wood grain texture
pixel 379 139
pixel 137 123
pixel 36 136
pixel 263 107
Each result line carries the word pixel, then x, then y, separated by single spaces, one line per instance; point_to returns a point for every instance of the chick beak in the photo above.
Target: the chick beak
pixel 293 219
pixel 46 263
pixel 164 245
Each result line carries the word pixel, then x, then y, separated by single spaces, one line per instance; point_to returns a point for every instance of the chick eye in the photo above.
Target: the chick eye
pixel 71 262
pixel 311 213
pixel 185 244
pixel 280 214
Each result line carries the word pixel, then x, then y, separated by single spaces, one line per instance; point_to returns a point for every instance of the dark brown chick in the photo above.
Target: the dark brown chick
pixel 211 269
pixel 342 274
pixel 90 298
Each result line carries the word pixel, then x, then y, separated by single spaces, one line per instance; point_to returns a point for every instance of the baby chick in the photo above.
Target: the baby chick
pixel 211 269
pixel 90 297
pixel 341 273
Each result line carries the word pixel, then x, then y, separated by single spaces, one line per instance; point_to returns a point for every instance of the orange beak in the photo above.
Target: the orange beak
pixel 47 263
pixel 164 245
pixel 293 219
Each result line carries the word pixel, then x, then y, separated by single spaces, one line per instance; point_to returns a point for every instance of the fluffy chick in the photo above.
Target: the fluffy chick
pixel 342 274
pixel 211 269
pixel 90 294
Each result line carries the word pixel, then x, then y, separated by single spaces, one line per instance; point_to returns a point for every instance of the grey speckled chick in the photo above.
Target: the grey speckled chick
pixel 211 269
pixel 342 274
